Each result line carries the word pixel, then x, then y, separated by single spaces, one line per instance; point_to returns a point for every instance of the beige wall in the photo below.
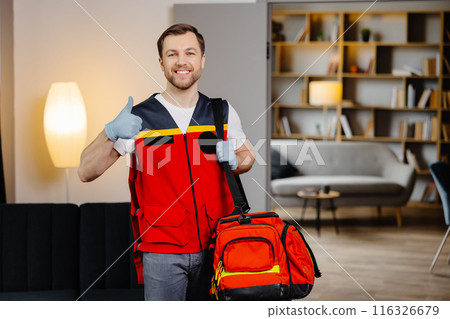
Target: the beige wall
pixel 56 41
pixel 6 95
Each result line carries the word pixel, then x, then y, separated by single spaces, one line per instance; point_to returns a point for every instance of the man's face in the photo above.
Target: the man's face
pixel 182 60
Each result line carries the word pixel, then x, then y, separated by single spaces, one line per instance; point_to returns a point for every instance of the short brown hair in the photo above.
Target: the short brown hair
pixel 179 29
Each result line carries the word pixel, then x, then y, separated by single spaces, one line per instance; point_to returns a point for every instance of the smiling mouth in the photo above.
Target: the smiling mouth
pixel 182 72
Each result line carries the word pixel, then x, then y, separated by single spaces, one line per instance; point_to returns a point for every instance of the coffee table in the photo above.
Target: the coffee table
pixel 319 196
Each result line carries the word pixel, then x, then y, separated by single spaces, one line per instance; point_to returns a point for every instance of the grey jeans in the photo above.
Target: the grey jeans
pixel 177 276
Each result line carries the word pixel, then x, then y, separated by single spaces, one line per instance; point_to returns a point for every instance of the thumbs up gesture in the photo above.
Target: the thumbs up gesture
pixel 125 125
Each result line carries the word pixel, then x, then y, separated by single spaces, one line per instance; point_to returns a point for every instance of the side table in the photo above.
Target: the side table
pixel 319 196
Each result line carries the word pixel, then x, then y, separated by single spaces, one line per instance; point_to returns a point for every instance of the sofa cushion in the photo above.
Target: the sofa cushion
pixel 363 185
pixel 280 166
pixel 39 247
pixel 106 242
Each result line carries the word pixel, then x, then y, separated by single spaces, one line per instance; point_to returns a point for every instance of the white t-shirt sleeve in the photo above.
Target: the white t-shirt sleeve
pixel 235 133
pixel 124 146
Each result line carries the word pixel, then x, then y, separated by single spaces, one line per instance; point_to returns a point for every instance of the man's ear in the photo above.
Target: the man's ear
pixel 161 64
pixel 203 61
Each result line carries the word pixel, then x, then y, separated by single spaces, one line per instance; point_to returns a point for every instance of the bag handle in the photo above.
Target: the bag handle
pixel 234 182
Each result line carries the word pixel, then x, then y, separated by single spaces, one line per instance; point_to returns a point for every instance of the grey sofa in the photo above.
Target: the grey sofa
pixel 365 173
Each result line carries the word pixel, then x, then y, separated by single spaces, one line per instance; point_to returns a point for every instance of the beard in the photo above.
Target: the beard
pixel 183 83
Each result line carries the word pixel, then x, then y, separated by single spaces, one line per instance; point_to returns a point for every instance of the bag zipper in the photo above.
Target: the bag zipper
pixel 249 238
pixel 262 215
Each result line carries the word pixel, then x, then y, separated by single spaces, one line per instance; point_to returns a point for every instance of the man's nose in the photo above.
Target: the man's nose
pixel 181 60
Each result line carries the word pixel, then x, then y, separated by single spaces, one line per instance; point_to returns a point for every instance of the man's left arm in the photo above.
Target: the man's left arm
pixel 245 156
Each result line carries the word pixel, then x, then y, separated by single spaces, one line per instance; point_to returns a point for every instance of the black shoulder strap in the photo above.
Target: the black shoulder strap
pixel 234 182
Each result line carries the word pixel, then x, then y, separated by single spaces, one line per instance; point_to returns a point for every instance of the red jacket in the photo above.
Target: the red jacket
pixel 178 190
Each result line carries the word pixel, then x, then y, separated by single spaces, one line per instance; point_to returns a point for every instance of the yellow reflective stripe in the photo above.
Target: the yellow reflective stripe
pixel 172 131
pixel 204 128
pixel 275 269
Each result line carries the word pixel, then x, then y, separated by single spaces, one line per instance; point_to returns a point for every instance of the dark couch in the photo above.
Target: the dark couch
pixel 57 251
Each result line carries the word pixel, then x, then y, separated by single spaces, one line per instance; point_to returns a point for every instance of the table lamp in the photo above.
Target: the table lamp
pixel 65 126
pixel 325 93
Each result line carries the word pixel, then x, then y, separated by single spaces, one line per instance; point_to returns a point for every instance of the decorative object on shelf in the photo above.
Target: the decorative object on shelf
pixel 277 29
pixel 354 68
pixel 365 34
pixel 411 100
pixel 65 126
pixel 325 93
pixel 320 36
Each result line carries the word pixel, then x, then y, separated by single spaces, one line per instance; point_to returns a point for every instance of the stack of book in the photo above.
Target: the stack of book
pixel 426 130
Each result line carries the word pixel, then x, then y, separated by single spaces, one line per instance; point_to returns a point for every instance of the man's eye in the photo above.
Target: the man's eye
pixel 171 54
pixel 191 53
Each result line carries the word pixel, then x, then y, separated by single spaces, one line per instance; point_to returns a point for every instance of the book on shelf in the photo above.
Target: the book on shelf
pixel 334 33
pixel 402 128
pixel 446 131
pixel 301 34
pixel 447 65
pixel 331 132
pixel 286 126
pixel 280 128
pixel 303 96
pixel 370 67
pixel 434 104
pixel 412 70
pixel 368 133
pixel 398 98
pixel 400 72
pixel 401 103
pixel 411 96
pixel 424 99
pixel 429 66
pixel 333 63
pixel 445 101
pixel 406 129
pixel 418 130
pixel 412 160
pixel 346 126
pixel 447 32
pixel 429 193
pixel 438 64
pixel 434 130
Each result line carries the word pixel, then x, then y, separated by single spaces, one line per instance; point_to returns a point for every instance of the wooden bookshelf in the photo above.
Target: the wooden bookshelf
pixel 417 39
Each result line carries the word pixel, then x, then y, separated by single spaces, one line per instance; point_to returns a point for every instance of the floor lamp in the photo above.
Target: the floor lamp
pixel 326 93
pixel 65 126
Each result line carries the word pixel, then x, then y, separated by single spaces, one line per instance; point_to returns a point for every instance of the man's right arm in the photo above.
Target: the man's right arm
pixel 97 158
pixel 100 154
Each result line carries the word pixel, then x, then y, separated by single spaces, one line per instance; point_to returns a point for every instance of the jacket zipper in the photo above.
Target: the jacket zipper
pixel 193 191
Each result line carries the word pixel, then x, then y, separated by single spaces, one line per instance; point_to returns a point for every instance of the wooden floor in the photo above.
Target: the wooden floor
pixel 372 259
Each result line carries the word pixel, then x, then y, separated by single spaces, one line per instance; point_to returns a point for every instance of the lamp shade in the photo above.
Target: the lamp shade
pixel 325 93
pixel 65 124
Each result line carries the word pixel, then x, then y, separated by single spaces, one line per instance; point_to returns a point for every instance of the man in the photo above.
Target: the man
pixel 178 189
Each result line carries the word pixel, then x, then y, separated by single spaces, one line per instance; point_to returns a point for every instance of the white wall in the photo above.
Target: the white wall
pixel 56 41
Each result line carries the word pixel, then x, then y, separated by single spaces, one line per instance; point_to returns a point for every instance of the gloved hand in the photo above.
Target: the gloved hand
pixel 125 125
pixel 225 153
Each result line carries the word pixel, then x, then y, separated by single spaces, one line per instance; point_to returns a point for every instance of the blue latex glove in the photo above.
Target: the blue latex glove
pixel 125 125
pixel 225 153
